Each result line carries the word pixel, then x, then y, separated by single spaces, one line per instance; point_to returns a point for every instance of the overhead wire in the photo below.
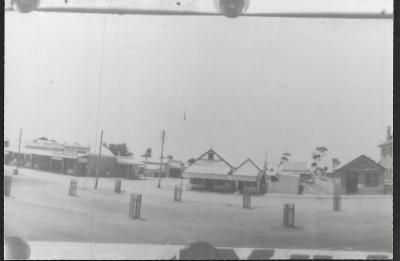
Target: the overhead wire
pixel 98 109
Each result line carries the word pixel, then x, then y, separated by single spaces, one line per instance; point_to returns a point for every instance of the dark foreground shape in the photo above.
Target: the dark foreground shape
pixel 247 199
pixel 135 206
pixel 73 185
pixel 117 186
pixel 299 257
pixel 377 257
pixel 199 251
pixel 261 254
pixel 288 215
pixel 178 193
pixel 16 248
pixel 322 257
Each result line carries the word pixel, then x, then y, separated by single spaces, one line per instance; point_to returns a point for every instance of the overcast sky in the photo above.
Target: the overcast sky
pixel 248 85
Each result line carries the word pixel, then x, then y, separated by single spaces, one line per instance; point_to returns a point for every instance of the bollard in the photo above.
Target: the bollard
pixel 73 185
pixel 117 187
pixel 337 198
pixel 177 193
pixel 135 205
pixel 246 199
pixel 288 215
pixel 7 186
pixel 301 189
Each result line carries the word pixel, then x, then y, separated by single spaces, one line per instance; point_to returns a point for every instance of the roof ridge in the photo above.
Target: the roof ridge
pixel 350 163
pixel 248 160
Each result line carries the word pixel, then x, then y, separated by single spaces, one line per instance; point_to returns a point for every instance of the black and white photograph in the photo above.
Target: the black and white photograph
pixel 198 129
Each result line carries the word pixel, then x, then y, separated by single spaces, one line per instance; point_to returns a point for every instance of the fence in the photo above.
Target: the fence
pixel 177 193
pixel 72 187
pixel 7 186
pixel 288 215
pixel 135 205
pixel 117 186
pixel 246 199
pixel 337 198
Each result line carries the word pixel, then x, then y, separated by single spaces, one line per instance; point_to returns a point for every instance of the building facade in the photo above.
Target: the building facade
pixel 386 159
pixel 361 176
pixel 249 177
pixel 210 172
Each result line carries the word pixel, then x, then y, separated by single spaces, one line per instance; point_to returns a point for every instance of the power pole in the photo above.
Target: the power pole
pixel 161 158
pixel 145 168
pixel 99 161
pixel 19 152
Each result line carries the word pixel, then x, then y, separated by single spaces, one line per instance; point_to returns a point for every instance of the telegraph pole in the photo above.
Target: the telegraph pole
pixel 161 158
pixel 99 161
pixel 19 152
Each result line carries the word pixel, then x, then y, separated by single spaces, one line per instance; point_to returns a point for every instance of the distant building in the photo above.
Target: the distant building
pixel 387 156
pixel 210 172
pixel 284 183
pixel 299 168
pixel 47 155
pixel 174 168
pixel 361 176
pixel 129 168
pixel 153 169
pixel 73 159
pixel 213 173
pixel 249 177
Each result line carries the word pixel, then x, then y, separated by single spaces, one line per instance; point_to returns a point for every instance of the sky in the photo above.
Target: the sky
pixel 248 86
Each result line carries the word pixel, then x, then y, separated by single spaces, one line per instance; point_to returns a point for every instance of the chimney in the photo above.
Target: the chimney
pixel 388 133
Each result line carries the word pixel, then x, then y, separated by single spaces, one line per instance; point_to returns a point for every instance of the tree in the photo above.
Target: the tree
pixel 335 162
pixel 118 149
pixel 313 165
pixel 322 150
pixel 319 153
pixel 146 155
pixel 284 158
pixel 191 161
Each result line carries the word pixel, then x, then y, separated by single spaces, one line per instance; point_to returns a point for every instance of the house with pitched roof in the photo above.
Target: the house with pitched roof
pixel 249 177
pixel 361 176
pixel 210 172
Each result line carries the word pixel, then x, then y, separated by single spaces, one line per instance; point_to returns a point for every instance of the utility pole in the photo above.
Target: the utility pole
pixel 19 152
pixel 145 168
pixel 99 161
pixel 161 158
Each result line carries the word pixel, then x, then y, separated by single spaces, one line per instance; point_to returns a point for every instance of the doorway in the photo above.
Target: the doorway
pixel 351 183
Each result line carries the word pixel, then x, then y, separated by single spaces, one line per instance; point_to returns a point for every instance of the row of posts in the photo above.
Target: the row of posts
pixel 136 200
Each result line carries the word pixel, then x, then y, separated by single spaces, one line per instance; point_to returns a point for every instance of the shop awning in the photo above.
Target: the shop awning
pixel 207 176
pixel 82 160
pixel 245 178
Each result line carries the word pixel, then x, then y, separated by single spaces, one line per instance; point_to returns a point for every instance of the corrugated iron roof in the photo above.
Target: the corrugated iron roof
pixel 247 168
pixel 294 166
pixel 210 166
pixel 128 161
pixel 48 153
pixel 358 159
